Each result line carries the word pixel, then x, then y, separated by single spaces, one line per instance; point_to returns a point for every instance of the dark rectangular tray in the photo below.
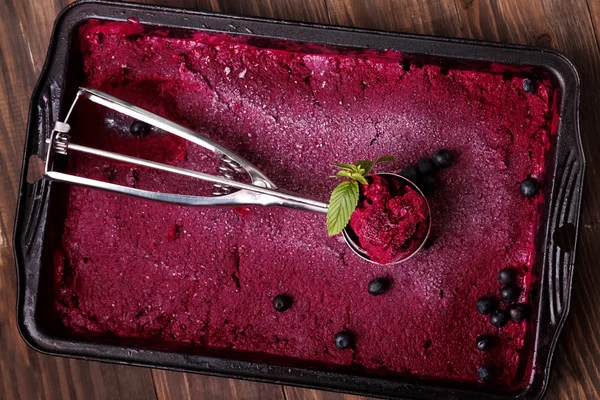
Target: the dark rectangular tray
pixel 557 233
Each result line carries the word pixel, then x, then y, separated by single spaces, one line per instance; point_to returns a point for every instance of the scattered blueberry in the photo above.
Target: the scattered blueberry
pixel 343 340
pixel 378 286
pixel 484 374
pixel 485 342
pixel 282 302
pixel 528 86
pixel 425 166
pixel 518 312
pixel 427 184
pixel 139 128
pixel 509 293
pixel 507 276
pixel 529 187
pixel 486 305
pixel 442 158
pixel 498 318
pixel 410 173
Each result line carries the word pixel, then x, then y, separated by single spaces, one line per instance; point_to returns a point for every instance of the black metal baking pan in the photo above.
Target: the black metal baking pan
pixel 557 234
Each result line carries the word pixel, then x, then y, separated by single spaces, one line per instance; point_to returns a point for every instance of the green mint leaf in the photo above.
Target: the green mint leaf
pixel 359 178
pixel 350 168
pixel 384 159
pixel 342 203
pixel 344 198
pixel 344 166
pixel 359 170
pixel 366 165
pixel 344 174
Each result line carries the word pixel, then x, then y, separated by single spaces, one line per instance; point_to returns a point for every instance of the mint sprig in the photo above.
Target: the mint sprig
pixel 344 198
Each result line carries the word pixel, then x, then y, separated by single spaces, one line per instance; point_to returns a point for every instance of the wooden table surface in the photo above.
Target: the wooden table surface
pixel 569 26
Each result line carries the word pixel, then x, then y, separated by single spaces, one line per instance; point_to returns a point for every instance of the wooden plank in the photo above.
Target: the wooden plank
pixel 18 366
pixel 35 25
pixel 594 10
pixel 294 393
pixel 297 10
pixel 412 16
pixel 179 386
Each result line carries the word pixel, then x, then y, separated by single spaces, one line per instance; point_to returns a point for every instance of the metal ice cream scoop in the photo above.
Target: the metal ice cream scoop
pixel 260 192
pixel 354 243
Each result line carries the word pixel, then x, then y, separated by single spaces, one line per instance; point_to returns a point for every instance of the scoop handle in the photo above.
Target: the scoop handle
pixel 257 177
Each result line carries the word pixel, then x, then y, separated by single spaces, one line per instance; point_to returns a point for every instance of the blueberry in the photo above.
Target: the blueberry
pixel 427 184
pixel 282 302
pixel 507 276
pixel 343 340
pixel 442 158
pixel 529 187
pixel 410 173
pixel 139 128
pixel 426 166
pixel 378 286
pixel 486 305
pixel 498 318
pixel 528 86
pixel 509 293
pixel 485 342
pixel 484 374
pixel 518 312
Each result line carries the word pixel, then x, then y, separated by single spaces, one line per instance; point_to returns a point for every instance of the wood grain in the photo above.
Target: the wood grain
pixel 294 393
pixel 175 385
pixel 411 16
pixel 294 10
pixel 570 26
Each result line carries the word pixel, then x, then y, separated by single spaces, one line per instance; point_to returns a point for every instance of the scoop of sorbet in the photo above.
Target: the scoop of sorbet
pixel 391 220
